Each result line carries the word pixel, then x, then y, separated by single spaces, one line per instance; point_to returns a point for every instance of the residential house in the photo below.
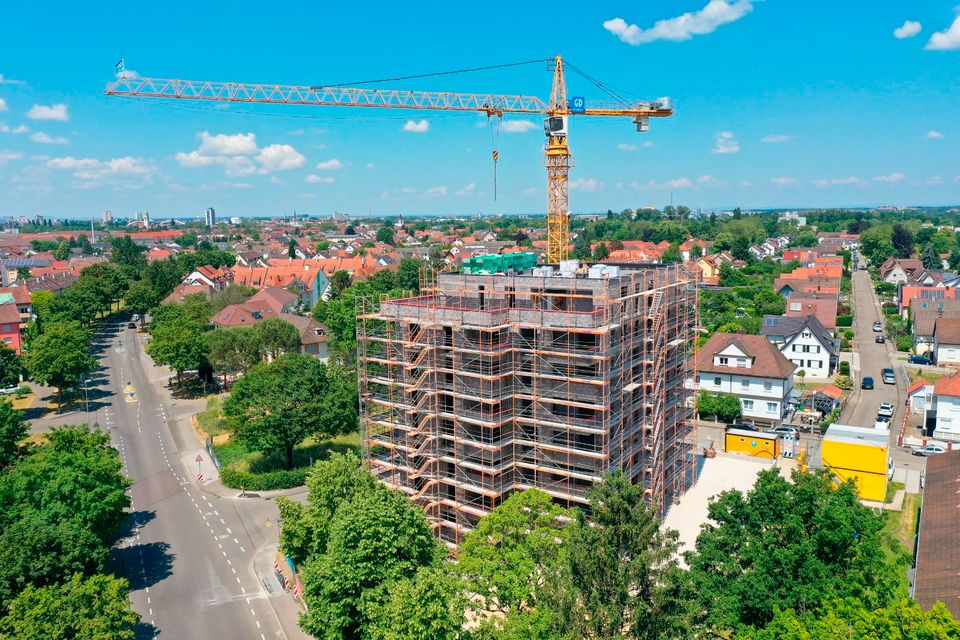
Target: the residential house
pixel 181 291
pixel 920 396
pixel 821 305
pixel 217 278
pixel 313 336
pixel 21 298
pixel 897 270
pixel 938 563
pixel 306 280
pixel 805 342
pixel 279 300
pixel 826 398
pixel 10 323
pixel 946 342
pixel 908 292
pixel 944 411
pixel 924 314
pixel 751 368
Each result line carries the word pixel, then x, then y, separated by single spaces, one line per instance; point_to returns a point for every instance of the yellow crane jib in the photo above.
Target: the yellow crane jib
pixel 557 157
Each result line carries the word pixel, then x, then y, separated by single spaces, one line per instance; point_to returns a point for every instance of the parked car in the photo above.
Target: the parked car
pixel 928 450
pixel 879 339
pixel 131 325
pixel 915 359
pixel 866 383
pixel 889 377
pixel 881 424
pixel 877 326
pixel 9 390
pixel 741 425
pixel 885 409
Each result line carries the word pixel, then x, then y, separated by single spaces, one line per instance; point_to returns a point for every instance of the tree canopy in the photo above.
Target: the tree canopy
pixel 60 356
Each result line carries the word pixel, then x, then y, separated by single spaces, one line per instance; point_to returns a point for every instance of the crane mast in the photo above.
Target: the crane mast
pixel 557 157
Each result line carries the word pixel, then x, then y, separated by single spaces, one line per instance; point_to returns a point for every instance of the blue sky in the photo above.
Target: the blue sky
pixel 778 104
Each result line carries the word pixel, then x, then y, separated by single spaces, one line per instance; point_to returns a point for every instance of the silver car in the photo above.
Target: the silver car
pixel 928 450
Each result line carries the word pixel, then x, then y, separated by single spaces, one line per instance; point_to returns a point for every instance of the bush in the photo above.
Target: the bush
pixel 844 344
pixel 905 343
pixel 848 334
pixel 845 368
pixel 270 481
pixel 23 391
pixel 844 382
pixel 844 321
pixel 890 309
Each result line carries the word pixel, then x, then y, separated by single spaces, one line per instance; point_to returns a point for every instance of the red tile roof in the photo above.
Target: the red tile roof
pixel 938 554
pixel 948 386
pixel 768 361
pixel 830 390
pixel 919 384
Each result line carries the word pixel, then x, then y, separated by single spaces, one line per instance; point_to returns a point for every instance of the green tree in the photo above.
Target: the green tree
pixel 292 248
pixel 11 367
pixel 377 538
pixel 430 605
pixel 902 239
pixel 696 252
pixel 581 247
pixel 805 238
pixel 791 544
pixel 276 336
pixel 954 259
pixel 512 549
pixel 769 302
pixel 108 283
pixel 408 275
pixel 234 294
pixel 385 235
pixel 671 255
pixel 180 345
pixel 740 249
pixel 331 483
pixel 141 298
pixel 621 577
pixel 163 276
pixel 601 252
pixel 124 251
pixel 80 302
pixel 60 356
pixel 13 429
pixel 95 608
pixel 277 405
pixel 233 350
pixel 930 258
pixel 62 252
pixel 339 282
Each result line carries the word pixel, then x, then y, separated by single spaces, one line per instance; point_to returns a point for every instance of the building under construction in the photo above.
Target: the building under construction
pixel 508 376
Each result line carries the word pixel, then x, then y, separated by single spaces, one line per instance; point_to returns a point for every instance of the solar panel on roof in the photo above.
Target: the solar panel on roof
pixel 772 321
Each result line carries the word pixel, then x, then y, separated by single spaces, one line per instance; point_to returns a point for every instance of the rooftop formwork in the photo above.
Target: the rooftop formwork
pixel 548 378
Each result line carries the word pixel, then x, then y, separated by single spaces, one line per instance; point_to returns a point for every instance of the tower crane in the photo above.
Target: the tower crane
pixel 557 157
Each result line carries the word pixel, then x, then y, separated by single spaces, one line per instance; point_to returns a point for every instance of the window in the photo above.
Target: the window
pixel 748 405
pixel 818 349
pixel 796 306
pixel 741 362
pixel 771 407
pixel 744 383
pixel 8 340
pixel 806 334
pixel 794 348
pixel 724 360
pixel 767 385
pixel 716 381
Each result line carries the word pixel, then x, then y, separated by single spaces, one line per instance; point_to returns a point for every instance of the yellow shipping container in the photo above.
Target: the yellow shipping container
pixel 859 454
pixel 752 443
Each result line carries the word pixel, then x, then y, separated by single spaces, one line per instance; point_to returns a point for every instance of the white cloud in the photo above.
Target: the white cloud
pixel 44 138
pixel 934 181
pixel 693 23
pixel 893 178
pixel 956 179
pixel 315 179
pixel 370 165
pixel 933 135
pixel 414 126
pixel 908 29
pixel 676 183
pixel 71 163
pixel 517 126
pixel 92 173
pixel 330 165
pixel 709 181
pixel 405 190
pixel 16 130
pixel 775 138
pixel 648 144
pixel 6 80
pixel 726 143
pixel 7 156
pixel 237 185
pixel 529 191
pixel 3 106
pixel 468 190
pixel 280 157
pixel 53 112
pixel 588 185
pixel 233 165
pixel 839 182
pixel 223 144
pixel 435 191
pixel 784 181
pixel 947 39
pixel 627 147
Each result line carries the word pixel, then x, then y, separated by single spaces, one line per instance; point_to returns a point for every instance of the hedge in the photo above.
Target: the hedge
pixel 269 481
pixel 845 368
pixel 844 321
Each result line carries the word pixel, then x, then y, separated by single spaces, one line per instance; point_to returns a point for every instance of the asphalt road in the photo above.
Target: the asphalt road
pixel 188 555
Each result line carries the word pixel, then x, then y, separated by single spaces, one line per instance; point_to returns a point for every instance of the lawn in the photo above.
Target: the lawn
pixel 238 457
pixel 903 524
pixel 211 419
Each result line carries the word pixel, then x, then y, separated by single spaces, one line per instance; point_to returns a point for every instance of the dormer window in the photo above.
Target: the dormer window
pixel 724 360
pixel 741 362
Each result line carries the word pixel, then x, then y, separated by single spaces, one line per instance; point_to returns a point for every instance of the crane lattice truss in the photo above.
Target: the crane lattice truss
pixel 557 155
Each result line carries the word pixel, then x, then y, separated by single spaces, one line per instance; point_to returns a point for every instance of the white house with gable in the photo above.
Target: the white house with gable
pixel 750 368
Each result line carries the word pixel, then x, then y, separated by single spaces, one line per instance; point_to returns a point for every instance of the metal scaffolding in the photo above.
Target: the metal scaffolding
pixel 489 384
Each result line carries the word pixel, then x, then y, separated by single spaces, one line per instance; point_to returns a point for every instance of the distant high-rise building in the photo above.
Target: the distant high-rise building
pixel 146 219
pixel 210 216
pixel 107 217
pixel 235 220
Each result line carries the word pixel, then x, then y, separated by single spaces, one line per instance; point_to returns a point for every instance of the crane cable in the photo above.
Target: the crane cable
pixel 495 142
pixel 430 75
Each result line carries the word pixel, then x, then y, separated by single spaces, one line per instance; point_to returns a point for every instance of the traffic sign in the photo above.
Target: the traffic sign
pixel 199 458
